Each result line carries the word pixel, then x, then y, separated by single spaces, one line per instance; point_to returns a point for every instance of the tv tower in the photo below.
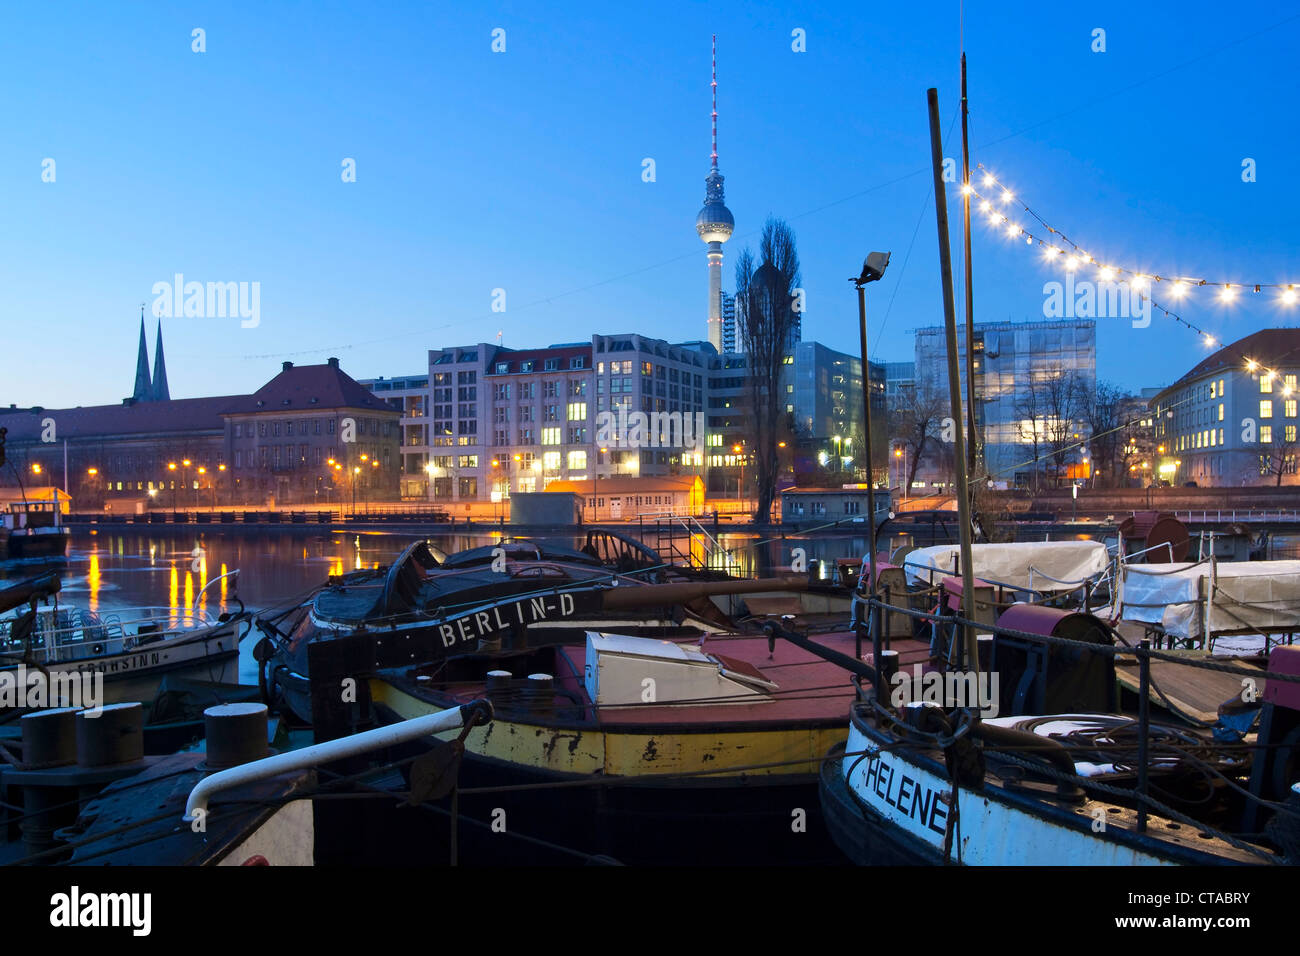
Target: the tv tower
pixel 715 223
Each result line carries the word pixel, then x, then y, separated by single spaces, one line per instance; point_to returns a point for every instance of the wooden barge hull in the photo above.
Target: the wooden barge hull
pixel 631 794
pixel 738 787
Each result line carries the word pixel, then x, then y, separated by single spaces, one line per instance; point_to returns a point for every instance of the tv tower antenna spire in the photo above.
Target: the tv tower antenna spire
pixel 714 157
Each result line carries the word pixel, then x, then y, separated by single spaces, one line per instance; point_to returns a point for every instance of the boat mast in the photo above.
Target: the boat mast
pixel 954 380
pixel 973 443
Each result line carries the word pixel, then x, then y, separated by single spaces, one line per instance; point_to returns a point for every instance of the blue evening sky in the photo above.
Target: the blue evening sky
pixel 522 171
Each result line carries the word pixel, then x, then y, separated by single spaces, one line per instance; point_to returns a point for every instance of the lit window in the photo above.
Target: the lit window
pixel 551 436
pixel 1265 408
pixel 577 460
pixel 1266 434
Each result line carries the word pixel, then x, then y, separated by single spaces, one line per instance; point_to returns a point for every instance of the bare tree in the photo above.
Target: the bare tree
pixel 765 313
pixel 1028 410
pixel 916 423
pixel 1049 407
pixel 1061 392
pixel 1103 410
pixel 1277 458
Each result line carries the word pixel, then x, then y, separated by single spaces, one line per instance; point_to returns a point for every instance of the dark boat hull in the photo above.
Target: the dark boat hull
pixel 36 545
pixel 749 821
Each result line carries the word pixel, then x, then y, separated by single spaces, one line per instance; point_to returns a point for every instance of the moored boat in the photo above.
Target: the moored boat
pixel 129 649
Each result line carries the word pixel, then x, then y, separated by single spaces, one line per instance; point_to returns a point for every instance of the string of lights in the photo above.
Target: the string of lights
pixel 1059 248
pixel 1074 255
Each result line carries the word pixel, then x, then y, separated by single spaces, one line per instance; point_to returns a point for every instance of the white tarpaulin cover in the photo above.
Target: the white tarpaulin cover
pixel 1258 594
pixel 1022 564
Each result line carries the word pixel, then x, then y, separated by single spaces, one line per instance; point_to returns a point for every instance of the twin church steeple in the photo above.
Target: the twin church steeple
pixel 147 388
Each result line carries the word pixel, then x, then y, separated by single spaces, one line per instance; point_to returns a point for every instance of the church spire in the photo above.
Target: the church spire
pixel 160 392
pixel 143 388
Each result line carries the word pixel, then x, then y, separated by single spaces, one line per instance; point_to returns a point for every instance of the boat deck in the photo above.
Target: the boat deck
pixel 809 689
pixel 1192 691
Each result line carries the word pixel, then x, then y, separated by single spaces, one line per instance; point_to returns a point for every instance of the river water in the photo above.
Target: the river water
pixel 108 570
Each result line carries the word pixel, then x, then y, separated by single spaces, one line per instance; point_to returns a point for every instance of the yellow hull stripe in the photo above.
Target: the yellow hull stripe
pixel 619 753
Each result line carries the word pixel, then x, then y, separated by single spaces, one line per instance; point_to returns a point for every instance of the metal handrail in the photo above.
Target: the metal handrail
pixel 198 598
pixel 196 806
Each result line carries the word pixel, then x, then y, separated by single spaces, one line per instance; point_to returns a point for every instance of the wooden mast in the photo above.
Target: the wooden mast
pixel 954 380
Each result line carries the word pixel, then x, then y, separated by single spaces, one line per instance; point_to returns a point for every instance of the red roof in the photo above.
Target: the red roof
pixel 176 415
pixel 296 388
pixel 305 387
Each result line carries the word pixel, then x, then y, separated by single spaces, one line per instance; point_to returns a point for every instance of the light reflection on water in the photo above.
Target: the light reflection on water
pixel 107 571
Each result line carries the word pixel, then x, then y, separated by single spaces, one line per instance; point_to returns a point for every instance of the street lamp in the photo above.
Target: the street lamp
pixel 740 478
pixel 595 465
pixel 873 269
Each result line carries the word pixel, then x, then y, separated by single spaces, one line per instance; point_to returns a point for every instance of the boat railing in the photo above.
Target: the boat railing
pixel 875 681
pixel 70 633
pixel 666 524
pixel 369 741
pixel 198 598
pixel 1088 586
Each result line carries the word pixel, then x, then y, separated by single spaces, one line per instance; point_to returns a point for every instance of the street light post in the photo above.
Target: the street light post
pixel 873 269
pixel 594 513
pixel 737 450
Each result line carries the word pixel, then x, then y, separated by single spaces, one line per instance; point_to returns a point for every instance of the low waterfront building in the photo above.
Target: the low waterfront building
pixel 813 507
pixel 625 498
pixel 310 436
